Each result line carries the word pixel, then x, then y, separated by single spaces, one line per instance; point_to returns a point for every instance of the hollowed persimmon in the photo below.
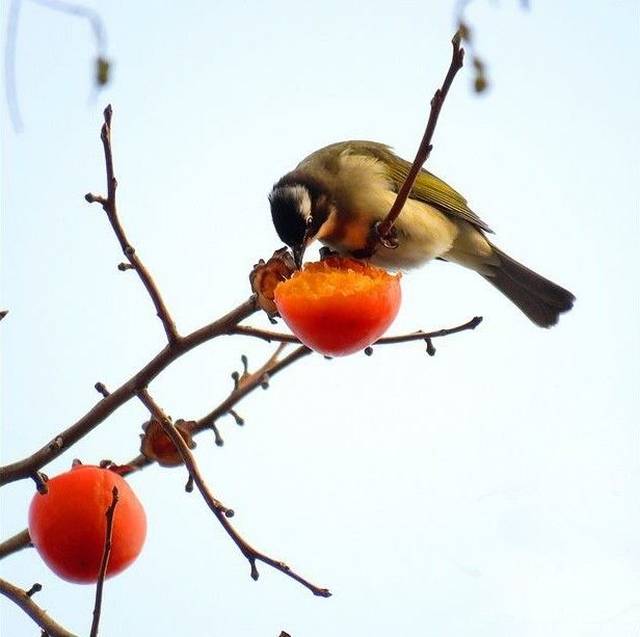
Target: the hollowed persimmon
pixel 68 524
pixel 339 305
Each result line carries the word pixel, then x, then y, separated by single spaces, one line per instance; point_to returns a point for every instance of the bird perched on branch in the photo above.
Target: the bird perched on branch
pixel 339 193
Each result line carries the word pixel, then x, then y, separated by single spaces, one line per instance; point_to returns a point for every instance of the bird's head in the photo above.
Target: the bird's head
pixel 300 207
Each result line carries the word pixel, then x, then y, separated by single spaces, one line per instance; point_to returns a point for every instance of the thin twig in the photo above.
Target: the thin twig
pixel 79 10
pixel 247 387
pixel 279 337
pixel 420 335
pixel 27 466
pixel 15 543
pixel 383 228
pixel 238 393
pixel 110 207
pixel 252 554
pixel 226 406
pixel 106 553
pixel 182 447
pixel 97 26
pixel 266 335
pixel 39 616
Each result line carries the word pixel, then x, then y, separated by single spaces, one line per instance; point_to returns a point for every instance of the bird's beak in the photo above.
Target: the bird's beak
pixel 298 254
pixel 298 251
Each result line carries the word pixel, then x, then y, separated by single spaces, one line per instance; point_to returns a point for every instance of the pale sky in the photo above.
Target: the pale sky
pixel 489 491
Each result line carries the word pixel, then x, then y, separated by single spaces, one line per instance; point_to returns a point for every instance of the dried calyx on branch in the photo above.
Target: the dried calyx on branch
pixel 156 446
pixel 265 277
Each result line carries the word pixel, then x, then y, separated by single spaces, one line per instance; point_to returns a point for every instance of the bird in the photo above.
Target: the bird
pixel 340 192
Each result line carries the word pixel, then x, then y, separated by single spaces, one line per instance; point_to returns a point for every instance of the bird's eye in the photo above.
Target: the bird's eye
pixel 309 221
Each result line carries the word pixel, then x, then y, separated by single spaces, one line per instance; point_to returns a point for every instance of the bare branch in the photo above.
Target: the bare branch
pixel 15 543
pixel 102 63
pixel 187 456
pixel 272 367
pixel 110 207
pixel 39 616
pixel 26 467
pixel 239 392
pixel 221 513
pixel 81 11
pixel 383 233
pixel 420 335
pixel 266 335
pixel 226 406
pixel 106 552
pixel 279 337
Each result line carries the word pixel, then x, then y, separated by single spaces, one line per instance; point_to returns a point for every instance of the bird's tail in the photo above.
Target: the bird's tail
pixel 540 299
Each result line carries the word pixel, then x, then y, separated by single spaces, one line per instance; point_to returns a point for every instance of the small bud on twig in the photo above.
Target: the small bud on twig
pixel 218 438
pixel 431 350
pixel 41 482
pixel 36 588
pixel 101 389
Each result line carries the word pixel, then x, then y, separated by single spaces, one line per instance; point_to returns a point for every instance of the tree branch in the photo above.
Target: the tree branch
pixel 106 553
pixel 110 207
pixel 384 228
pixel 239 392
pixel 26 467
pixel 270 369
pixel 19 596
pixel 420 335
pixel 252 382
pixel 221 512
pixel 279 337
pixel 93 17
pixel 15 543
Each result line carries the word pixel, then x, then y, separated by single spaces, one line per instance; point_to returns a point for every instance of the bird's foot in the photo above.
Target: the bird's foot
pixel 388 239
pixel 326 252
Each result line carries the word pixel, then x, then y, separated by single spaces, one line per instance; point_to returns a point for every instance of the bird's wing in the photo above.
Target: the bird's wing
pixel 427 188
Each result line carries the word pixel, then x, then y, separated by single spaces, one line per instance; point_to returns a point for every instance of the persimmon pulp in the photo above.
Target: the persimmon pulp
pixel 68 524
pixel 339 306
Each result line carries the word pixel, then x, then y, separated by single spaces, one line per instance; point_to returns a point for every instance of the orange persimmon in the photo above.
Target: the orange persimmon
pixel 68 524
pixel 339 305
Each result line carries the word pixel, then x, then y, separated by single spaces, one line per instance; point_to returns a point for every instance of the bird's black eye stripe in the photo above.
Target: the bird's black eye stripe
pixel 288 221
